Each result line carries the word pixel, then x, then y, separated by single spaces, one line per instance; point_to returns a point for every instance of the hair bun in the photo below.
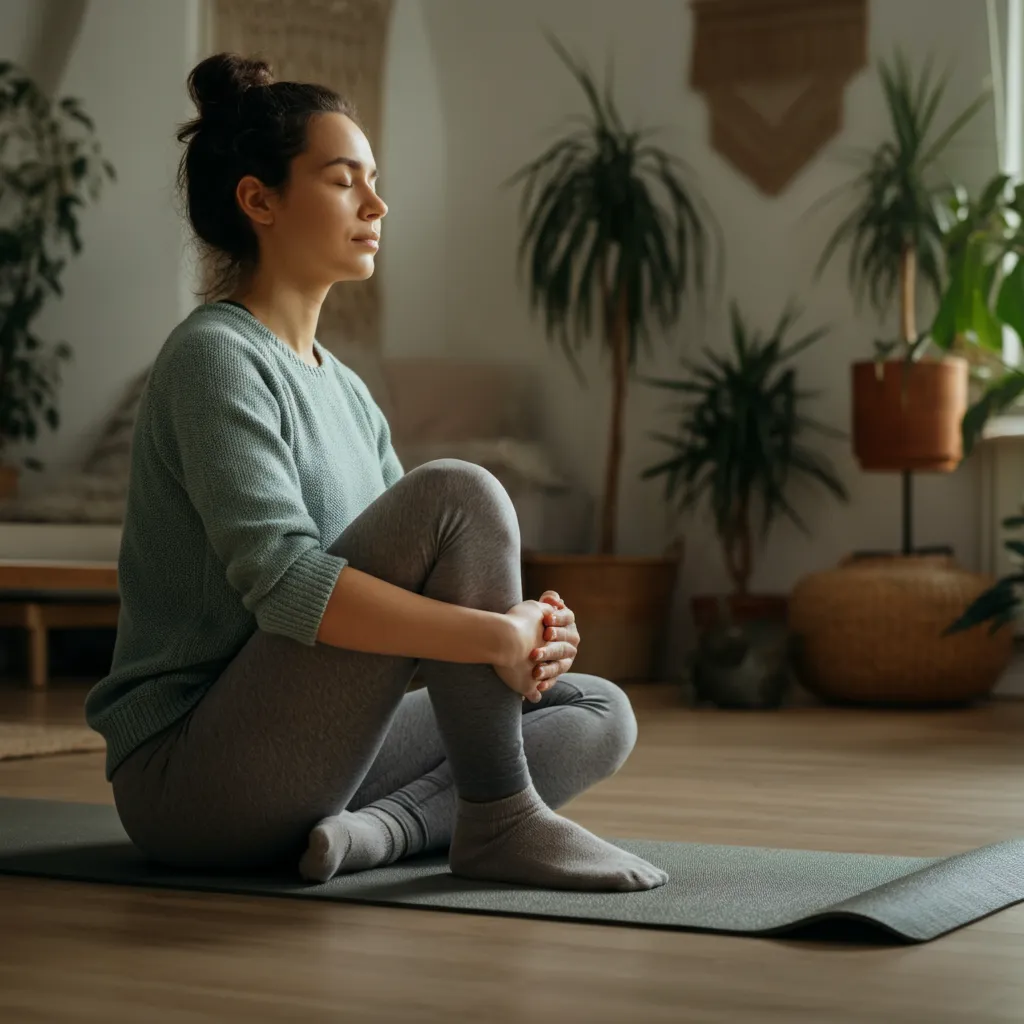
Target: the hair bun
pixel 217 83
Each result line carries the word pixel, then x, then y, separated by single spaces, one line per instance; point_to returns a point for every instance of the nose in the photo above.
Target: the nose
pixel 375 209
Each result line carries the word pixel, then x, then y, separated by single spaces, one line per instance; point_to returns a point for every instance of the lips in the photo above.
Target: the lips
pixel 370 241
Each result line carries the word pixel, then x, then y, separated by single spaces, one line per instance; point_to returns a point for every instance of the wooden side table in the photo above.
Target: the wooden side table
pixel 38 596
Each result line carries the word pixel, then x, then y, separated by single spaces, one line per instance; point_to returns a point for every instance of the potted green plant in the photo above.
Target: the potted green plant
pixel 50 165
pixel 614 239
pixel 739 445
pixel 984 293
pixel 906 407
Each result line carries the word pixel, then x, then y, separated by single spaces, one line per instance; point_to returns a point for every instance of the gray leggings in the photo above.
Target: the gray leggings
pixel 290 734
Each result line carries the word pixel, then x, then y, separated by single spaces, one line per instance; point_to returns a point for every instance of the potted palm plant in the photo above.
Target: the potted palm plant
pixel 50 165
pixel 614 239
pixel 907 407
pixel 739 446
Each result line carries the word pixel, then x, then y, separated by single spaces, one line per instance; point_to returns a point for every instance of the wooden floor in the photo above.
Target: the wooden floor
pixel 911 783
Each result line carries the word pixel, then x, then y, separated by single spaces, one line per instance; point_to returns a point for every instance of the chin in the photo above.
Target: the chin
pixel 361 271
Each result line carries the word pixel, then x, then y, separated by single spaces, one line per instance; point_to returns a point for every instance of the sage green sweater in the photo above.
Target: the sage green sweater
pixel 247 463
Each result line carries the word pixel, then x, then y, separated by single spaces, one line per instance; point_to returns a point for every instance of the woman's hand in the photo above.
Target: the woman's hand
pixel 543 645
pixel 561 641
pixel 526 621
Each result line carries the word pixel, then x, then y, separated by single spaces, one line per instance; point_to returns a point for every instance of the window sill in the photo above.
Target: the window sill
pixel 1008 427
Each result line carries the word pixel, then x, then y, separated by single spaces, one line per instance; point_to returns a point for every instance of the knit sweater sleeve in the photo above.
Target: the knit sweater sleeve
pixel 216 424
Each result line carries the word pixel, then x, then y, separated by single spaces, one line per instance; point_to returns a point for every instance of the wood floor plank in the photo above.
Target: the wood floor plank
pixel 915 783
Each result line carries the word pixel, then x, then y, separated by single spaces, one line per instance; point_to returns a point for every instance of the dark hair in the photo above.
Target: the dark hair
pixel 247 124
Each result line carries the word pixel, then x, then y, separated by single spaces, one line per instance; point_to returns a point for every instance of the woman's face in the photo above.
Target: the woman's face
pixel 324 226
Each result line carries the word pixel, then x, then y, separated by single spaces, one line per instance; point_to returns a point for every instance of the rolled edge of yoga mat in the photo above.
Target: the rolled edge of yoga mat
pixel 946 894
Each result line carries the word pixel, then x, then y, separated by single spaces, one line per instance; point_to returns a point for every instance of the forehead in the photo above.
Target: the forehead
pixel 333 135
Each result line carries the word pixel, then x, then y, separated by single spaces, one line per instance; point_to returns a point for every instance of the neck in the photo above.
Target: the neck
pixel 289 309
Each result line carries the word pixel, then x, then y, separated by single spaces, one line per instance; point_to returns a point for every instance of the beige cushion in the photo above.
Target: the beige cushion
pixel 516 463
pixel 452 400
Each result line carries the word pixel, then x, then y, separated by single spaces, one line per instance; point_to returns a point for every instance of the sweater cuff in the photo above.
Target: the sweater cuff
pixel 295 607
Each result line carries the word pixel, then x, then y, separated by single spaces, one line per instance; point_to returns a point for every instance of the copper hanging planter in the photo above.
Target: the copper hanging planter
pixel 907 416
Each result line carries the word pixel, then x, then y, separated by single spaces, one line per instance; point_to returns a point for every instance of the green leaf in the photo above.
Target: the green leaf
pixel 897 199
pixel 603 217
pixel 1010 299
pixel 998 604
pixel 997 397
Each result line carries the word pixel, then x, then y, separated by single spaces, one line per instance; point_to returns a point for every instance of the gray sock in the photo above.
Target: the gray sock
pixel 519 839
pixel 352 841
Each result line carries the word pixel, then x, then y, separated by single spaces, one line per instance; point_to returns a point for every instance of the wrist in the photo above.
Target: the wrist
pixel 503 640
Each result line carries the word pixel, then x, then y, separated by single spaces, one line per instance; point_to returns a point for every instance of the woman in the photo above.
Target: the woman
pixel 281 578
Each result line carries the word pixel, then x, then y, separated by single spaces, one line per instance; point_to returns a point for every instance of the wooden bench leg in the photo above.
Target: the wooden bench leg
pixel 38 655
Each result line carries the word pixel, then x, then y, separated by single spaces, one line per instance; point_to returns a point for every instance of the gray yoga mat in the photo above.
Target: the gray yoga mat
pixel 737 889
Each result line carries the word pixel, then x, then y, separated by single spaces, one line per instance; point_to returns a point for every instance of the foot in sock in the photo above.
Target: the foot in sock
pixel 519 839
pixel 346 842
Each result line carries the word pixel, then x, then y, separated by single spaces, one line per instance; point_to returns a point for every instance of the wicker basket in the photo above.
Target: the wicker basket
pixel 870 631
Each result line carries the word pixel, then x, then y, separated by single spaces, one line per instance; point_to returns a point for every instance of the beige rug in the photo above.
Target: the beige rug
pixel 21 740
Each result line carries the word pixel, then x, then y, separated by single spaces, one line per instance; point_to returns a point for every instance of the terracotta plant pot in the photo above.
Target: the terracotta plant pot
pixel 8 481
pixel 743 608
pixel 908 416
pixel 622 607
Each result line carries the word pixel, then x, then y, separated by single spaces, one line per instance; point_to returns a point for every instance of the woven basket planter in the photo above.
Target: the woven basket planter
pixel 870 631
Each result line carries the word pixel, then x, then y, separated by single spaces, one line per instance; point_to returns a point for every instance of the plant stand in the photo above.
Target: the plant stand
pixel 907 518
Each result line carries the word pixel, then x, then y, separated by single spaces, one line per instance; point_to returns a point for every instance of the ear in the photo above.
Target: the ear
pixel 254 198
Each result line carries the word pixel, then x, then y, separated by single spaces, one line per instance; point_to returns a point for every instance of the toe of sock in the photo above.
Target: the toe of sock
pixel 316 863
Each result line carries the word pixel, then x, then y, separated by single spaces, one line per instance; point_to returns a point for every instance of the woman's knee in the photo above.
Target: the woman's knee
pixel 469 488
pixel 615 723
pixel 467 480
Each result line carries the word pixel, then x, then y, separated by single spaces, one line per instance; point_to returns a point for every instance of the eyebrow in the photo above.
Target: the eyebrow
pixel 349 162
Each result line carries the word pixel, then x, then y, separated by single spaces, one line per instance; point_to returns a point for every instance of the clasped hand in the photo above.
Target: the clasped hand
pixel 547 641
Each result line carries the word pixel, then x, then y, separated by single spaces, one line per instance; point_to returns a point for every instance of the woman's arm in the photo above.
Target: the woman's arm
pixel 367 614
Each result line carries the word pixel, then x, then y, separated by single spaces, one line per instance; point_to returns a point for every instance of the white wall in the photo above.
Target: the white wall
pixel 504 93
pixel 125 292
pixel 21 25
pixel 413 181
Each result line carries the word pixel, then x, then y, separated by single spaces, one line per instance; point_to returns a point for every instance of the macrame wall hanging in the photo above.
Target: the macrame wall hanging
pixel 339 43
pixel 773 73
